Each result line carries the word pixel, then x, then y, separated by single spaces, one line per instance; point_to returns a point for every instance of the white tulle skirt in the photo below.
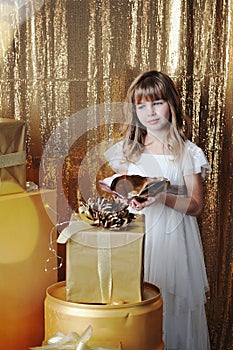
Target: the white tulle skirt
pixel 174 261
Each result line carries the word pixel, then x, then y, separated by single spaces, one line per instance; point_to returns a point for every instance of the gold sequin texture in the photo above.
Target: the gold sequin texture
pixel 60 57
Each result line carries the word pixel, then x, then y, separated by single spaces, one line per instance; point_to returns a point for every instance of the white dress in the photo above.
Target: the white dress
pixel 173 249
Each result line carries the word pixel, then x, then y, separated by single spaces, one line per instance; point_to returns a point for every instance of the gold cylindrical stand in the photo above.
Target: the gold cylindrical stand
pixel 136 326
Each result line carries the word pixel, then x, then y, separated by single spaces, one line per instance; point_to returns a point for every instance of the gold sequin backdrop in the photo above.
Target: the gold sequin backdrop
pixel 58 57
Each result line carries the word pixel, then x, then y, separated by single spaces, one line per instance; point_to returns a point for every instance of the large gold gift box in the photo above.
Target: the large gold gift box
pixel 104 266
pixel 12 156
pixel 136 326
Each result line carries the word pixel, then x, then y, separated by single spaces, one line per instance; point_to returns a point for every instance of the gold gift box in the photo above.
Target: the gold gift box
pixel 12 156
pixel 104 266
pixel 136 326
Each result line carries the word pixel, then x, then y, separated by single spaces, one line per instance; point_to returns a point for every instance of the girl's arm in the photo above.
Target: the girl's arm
pixel 192 204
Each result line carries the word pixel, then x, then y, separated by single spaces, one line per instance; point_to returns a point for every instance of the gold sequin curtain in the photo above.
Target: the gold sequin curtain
pixel 58 57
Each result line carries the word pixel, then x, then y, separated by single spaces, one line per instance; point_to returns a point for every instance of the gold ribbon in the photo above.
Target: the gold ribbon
pixel 104 268
pixel 103 256
pixel 12 159
pixel 72 341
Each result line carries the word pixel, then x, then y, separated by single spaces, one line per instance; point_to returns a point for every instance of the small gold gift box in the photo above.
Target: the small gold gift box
pixel 104 266
pixel 12 156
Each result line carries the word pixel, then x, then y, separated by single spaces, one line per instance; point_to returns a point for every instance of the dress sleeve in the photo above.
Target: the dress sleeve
pixel 115 157
pixel 195 161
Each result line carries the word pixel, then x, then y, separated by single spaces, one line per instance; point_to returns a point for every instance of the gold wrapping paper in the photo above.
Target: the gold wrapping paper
pixel 104 266
pixel 136 326
pixel 12 156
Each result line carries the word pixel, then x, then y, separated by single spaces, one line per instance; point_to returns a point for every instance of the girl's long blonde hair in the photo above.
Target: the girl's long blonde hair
pixel 151 86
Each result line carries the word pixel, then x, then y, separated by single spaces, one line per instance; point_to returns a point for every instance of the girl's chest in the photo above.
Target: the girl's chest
pixel 157 166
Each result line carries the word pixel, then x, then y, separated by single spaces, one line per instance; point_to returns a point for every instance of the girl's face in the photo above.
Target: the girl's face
pixel 154 115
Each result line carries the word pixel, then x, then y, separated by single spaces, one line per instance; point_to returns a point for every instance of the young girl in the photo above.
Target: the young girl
pixel 155 146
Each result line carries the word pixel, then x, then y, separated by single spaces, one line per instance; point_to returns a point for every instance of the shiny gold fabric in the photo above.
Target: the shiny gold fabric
pixel 67 55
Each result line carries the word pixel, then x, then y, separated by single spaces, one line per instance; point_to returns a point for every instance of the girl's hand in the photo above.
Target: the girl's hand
pixel 150 200
pixel 191 204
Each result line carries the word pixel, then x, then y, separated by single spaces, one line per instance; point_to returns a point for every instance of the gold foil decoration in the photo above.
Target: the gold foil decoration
pixel 174 37
pixel 92 64
pixel 106 49
pixel 134 30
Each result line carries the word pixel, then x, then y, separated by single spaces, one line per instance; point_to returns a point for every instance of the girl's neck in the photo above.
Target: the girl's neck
pixel 155 144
